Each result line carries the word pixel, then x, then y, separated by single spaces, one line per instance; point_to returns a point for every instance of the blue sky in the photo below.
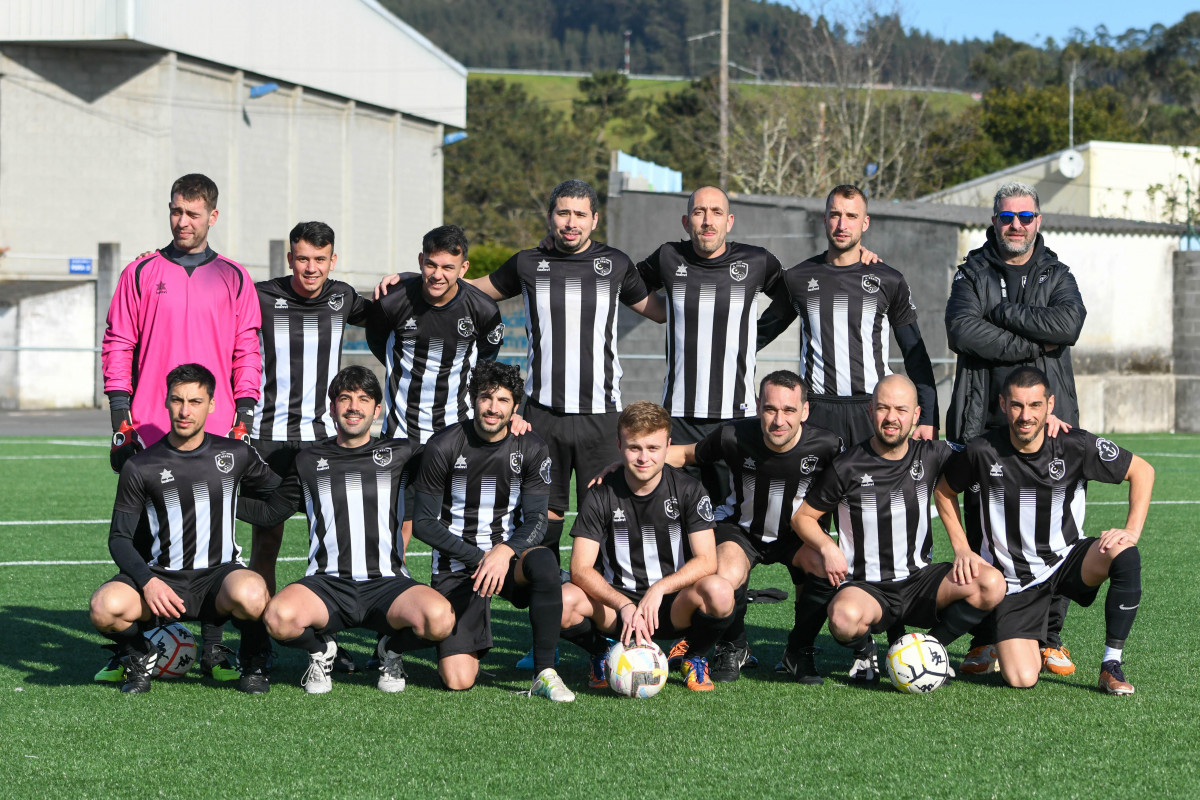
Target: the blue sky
pixel 1034 20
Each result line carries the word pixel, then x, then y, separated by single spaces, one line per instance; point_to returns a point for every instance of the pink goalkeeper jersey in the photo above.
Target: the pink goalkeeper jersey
pixel 161 316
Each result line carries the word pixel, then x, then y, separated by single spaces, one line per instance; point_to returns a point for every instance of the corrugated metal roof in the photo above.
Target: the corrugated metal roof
pixel 350 48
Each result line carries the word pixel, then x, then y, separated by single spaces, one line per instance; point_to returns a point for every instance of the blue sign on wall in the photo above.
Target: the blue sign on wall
pixel 80 266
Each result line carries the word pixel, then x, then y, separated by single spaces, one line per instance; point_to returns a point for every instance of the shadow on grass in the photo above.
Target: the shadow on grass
pixel 50 647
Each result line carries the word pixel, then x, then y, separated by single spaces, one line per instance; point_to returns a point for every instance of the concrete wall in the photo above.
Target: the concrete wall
pixel 47 314
pixel 91 139
pixel 1186 315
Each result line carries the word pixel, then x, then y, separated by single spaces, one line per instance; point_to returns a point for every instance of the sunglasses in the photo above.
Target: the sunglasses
pixel 1026 217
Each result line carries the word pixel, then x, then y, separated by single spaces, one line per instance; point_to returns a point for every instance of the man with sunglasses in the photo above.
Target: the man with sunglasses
pixel 1012 304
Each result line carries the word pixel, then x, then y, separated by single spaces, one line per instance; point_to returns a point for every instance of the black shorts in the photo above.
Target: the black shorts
pixel 198 588
pixel 1023 614
pixel 357 604
pixel 280 456
pixel 912 601
pixel 585 443
pixel 781 551
pixel 714 476
pixel 848 417
pixel 473 612
pixel 666 629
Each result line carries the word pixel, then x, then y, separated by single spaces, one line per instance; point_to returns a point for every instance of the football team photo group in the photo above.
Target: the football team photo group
pixel 229 402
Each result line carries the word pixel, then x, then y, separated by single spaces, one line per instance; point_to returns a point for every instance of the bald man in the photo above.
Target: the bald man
pixel 880 489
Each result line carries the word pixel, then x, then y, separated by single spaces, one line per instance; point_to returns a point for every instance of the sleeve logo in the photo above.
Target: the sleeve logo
pixel 1108 450
pixel 544 471
pixel 704 509
pixel 224 461
pixel 497 334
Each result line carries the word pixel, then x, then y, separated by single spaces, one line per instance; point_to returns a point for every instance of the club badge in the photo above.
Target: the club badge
pixel 917 470
pixel 671 508
pixel 466 327
pixel 738 270
pixel 382 457
pixel 336 301
pixel 515 460
pixel 870 283
pixel 1058 468
pixel 544 471
pixel 224 460
pixel 808 464
pixel 704 509
pixel 497 334
pixel 603 266
pixel 1108 449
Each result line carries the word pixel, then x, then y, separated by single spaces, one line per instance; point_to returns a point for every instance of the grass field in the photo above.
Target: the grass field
pixel 64 736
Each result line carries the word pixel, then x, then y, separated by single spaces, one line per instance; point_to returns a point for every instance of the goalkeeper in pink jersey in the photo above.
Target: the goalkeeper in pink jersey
pixel 183 304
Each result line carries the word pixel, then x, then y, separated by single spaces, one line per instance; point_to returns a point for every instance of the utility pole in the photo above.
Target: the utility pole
pixel 628 33
pixel 723 134
pixel 1071 105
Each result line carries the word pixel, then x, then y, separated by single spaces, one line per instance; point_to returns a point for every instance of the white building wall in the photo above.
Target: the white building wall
pixel 56 319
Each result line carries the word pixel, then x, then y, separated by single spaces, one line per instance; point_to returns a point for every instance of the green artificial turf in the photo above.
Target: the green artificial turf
pixel 64 736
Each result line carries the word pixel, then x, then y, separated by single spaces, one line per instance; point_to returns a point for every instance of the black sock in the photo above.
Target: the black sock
pixel 254 637
pixel 545 604
pixel 1055 619
pixel 554 530
pixel 736 631
pixel 811 600
pixel 404 639
pixel 309 641
pixel 587 636
pixel 954 620
pixel 211 633
pixel 1124 596
pixel 131 640
pixel 704 631
pixel 860 644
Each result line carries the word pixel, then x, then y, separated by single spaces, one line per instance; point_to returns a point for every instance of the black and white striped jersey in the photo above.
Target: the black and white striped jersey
pixel 571 322
pixel 712 314
pixel 301 342
pixel 767 487
pixel 429 352
pixel 644 538
pixel 189 498
pixel 846 317
pixel 882 507
pixel 1032 505
pixel 482 485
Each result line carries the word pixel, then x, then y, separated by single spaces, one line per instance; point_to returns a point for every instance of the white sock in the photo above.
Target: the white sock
pixel 1111 654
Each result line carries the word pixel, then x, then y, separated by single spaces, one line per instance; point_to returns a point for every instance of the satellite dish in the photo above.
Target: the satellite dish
pixel 1070 164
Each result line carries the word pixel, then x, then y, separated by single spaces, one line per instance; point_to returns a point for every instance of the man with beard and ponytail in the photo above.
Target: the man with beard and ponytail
pixel 1012 304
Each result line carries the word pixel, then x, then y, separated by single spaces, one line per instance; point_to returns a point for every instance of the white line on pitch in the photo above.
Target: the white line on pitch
pixel 46 458
pixel 66 442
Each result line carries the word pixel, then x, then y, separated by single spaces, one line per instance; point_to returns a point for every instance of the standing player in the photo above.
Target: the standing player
pixel 1012 303
pixel 652 529
pixel 482 495
pixel 880 489
pixel 773 459
pixel 186 486
pixel 712 288
pixel 1031 490
pixel 182 304
pixel 352 488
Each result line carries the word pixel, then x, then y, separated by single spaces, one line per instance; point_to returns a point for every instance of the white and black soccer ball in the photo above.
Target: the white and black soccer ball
pixel 917 663
pixel 176 648
pixel 636 671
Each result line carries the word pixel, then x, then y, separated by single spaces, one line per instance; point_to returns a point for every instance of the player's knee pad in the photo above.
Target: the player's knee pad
pixel 1126 568
pixel 540 567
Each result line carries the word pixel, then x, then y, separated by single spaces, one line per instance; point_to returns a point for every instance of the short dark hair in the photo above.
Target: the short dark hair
pixel 445 239
pixel 642 417
pixel 787 379
pixel 355 378
pixel 1026 378
pixel 318 234
pixel 692 197
pixel 192 373
pixel 574 188
pixel 195 186
pixel 846 190
pixel 487 376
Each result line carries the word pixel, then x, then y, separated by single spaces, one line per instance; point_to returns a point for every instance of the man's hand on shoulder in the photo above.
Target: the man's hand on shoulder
pixel 867 257
pixel 925 432
pixel 386 281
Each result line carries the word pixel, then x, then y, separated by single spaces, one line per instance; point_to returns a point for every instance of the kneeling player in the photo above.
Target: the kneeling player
pixel 652 527
pixel 352 487
pixel 482 498
pixel 185 484
pixel 1031 490
pixel 881 489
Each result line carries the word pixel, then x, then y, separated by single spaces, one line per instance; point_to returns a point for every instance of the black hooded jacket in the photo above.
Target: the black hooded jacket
pixel 993 331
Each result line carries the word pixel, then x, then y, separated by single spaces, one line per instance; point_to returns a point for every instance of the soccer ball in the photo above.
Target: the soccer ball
pixel 176 648
pixel 637 670
pixel 917 663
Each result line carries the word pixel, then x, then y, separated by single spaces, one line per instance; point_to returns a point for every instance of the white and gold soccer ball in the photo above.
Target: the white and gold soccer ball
pixel 637 670
pixel 176 648
pixel 917 663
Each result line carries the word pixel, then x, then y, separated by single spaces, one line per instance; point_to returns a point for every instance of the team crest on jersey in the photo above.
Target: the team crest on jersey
pixel 1108 449
pixel 813 285
pixel 1058 468
pixel 603 266
pixel 618 515
pixel 281 302
pixel 681 271
pixel 808 464
pixel 996 471
pixel 704 509
pixel 497 334
pixel 466 327
pixel 543 266
pixel 336 301
pixel 382 457
pixel 224 461
pixel 671 508
pixel 544 471
pixel 917 470
pixel 870 283
pixel 738 270
pixel 975 487
pixel 515 460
